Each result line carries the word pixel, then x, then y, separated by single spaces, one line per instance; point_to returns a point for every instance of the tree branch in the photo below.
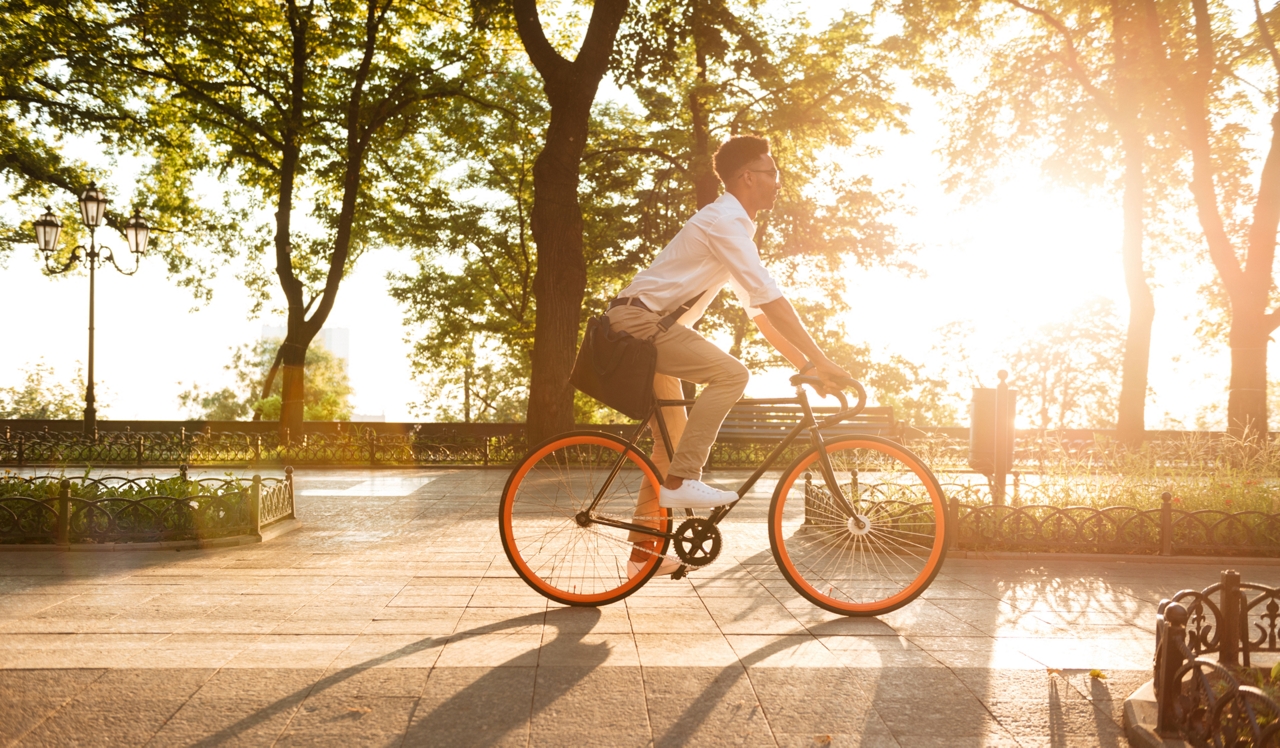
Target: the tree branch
pixel 647 151
pixel 544 57
pixel 1072 55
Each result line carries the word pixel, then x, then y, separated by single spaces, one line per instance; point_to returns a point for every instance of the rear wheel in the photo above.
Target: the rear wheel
pixel 877 559
pixel 548 537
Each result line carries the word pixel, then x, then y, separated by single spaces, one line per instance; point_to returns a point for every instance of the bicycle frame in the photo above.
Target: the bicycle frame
pixel 807 421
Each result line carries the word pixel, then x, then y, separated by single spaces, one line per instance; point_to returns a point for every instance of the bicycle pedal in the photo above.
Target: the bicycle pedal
pixel 680 573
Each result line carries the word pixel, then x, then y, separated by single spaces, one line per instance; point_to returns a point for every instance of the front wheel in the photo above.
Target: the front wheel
pixel 546 511
pixel 880 557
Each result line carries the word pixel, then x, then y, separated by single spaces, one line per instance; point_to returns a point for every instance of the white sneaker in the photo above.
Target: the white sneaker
pixel 668 566
pixel 694 494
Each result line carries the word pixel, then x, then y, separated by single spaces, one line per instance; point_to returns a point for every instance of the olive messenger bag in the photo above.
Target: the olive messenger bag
pixel 617 368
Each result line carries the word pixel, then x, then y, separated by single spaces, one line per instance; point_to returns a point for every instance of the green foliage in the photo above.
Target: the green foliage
pixel 40 396
pixel 328 391
pixel 470 300
pixel 1068 373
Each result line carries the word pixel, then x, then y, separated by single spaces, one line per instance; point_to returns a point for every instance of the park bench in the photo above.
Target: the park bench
pixel 765 423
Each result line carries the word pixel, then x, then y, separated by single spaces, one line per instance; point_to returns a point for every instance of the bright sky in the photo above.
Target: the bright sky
pixel 1027 255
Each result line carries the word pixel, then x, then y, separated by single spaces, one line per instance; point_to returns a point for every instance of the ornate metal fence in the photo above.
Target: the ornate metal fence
pixel 1115 529
pixel 350 446
pixel 48 509
pixel 1210 702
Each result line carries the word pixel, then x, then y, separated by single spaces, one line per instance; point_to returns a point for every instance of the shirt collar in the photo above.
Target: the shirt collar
pixel 734 205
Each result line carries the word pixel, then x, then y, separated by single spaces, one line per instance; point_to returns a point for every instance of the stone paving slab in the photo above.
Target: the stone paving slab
pixel 393 618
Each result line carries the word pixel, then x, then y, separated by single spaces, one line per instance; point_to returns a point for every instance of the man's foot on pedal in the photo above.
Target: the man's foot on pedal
pixel 694 494
pixel 669 565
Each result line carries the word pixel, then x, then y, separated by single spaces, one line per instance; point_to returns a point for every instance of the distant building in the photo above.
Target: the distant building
pixel 336 340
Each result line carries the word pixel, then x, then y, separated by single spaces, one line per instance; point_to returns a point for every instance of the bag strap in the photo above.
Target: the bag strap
pixel 666 322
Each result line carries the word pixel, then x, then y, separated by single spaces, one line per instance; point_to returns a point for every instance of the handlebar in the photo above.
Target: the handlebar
pixel 849 383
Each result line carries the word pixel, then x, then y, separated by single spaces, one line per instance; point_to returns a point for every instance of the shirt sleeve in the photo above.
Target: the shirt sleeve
pixel 744 299
pixel 730 242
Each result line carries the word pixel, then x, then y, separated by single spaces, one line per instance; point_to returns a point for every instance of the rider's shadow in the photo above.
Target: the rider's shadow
pixel 466 706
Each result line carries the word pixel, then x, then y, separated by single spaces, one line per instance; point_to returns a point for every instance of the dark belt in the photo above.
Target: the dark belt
pixel 629 301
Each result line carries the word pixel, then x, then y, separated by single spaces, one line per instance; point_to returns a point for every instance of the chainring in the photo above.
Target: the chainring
pixel 697 542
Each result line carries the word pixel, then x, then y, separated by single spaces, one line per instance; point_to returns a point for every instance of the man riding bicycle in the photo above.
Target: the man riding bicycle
pixel 715 248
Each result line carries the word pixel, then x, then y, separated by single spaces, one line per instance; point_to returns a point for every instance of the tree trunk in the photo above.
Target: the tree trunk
pixel 560 281
pixel 1247 400
pixel 1127 42
pixel 1131 420
pixel 706 185
pixel 293 355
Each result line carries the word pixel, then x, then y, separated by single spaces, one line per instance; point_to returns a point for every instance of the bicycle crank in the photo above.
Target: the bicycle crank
pixel 697 542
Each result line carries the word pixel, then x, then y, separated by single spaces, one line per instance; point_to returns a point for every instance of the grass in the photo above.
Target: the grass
pixel 1202 472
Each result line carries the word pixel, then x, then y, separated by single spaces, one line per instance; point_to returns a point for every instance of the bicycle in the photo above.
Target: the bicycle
pixel 864 538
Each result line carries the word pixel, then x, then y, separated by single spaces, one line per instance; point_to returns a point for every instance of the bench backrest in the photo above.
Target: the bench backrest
pixel 749 422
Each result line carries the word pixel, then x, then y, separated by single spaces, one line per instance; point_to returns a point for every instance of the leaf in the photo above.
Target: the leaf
pixel 1275 673
pixel 1097 674
pixel 822 739
pixel 1055 671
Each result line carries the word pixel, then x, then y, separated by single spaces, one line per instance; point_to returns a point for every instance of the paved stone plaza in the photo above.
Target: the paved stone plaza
pixel 393 618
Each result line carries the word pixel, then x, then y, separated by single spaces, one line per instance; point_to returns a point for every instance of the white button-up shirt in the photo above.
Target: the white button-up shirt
pixel 714 248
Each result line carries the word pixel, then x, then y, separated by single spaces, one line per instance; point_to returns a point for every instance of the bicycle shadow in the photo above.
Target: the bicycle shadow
pixel 475 714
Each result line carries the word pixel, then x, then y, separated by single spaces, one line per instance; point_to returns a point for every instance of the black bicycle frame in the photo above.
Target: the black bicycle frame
pixel 807 421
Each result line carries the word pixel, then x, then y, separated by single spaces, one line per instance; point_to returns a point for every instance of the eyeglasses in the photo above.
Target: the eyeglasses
pixel 773 173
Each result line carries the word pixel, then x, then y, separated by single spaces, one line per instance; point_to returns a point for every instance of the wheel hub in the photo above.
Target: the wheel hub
pixel 859 524
pixel 582 518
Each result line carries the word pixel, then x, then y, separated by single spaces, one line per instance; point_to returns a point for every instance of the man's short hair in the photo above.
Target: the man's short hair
pixel 737 153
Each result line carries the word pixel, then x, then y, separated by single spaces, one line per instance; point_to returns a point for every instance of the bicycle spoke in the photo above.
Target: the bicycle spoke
pixel 880 558
pixel 561 558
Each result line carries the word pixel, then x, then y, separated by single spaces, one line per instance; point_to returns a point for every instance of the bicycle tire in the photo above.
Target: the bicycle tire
pixel 869 565
pixel 555 555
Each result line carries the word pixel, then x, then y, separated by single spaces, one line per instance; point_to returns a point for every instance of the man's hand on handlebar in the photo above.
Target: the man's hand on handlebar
pixel 832 376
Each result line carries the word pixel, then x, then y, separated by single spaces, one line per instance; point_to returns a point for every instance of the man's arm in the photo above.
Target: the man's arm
pixel 781 344
pixel 786 324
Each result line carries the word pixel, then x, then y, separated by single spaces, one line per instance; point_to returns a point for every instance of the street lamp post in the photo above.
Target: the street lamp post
pixel 93 210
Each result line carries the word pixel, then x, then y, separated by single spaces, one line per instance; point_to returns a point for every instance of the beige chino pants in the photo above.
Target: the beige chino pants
pixel 683 354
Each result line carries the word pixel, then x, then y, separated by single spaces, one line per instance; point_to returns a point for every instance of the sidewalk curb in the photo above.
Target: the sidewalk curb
pixel 1120 557
pixel 268 533
pixel 1140 721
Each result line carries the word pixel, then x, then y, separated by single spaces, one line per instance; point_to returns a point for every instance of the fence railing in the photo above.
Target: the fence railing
pixel 1209 701
pixel 172 443
pixel 134 510
pixel 1114 529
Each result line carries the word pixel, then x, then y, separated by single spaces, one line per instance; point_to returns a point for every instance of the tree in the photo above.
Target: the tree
pixel 41 397
pixel 1202 58
pixel 328 390
pixel 1069 372
pixel 1076 82
pixel 302 103
pixel 56 86
pixel 559 282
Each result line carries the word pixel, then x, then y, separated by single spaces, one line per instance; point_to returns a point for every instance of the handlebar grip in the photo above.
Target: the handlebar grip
pixel 850 383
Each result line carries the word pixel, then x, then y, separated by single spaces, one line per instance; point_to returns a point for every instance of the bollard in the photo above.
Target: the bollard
pixel 1229 626
pixel 1171 632
pixel 255 505
pixel 64 512
pixel 1166 524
